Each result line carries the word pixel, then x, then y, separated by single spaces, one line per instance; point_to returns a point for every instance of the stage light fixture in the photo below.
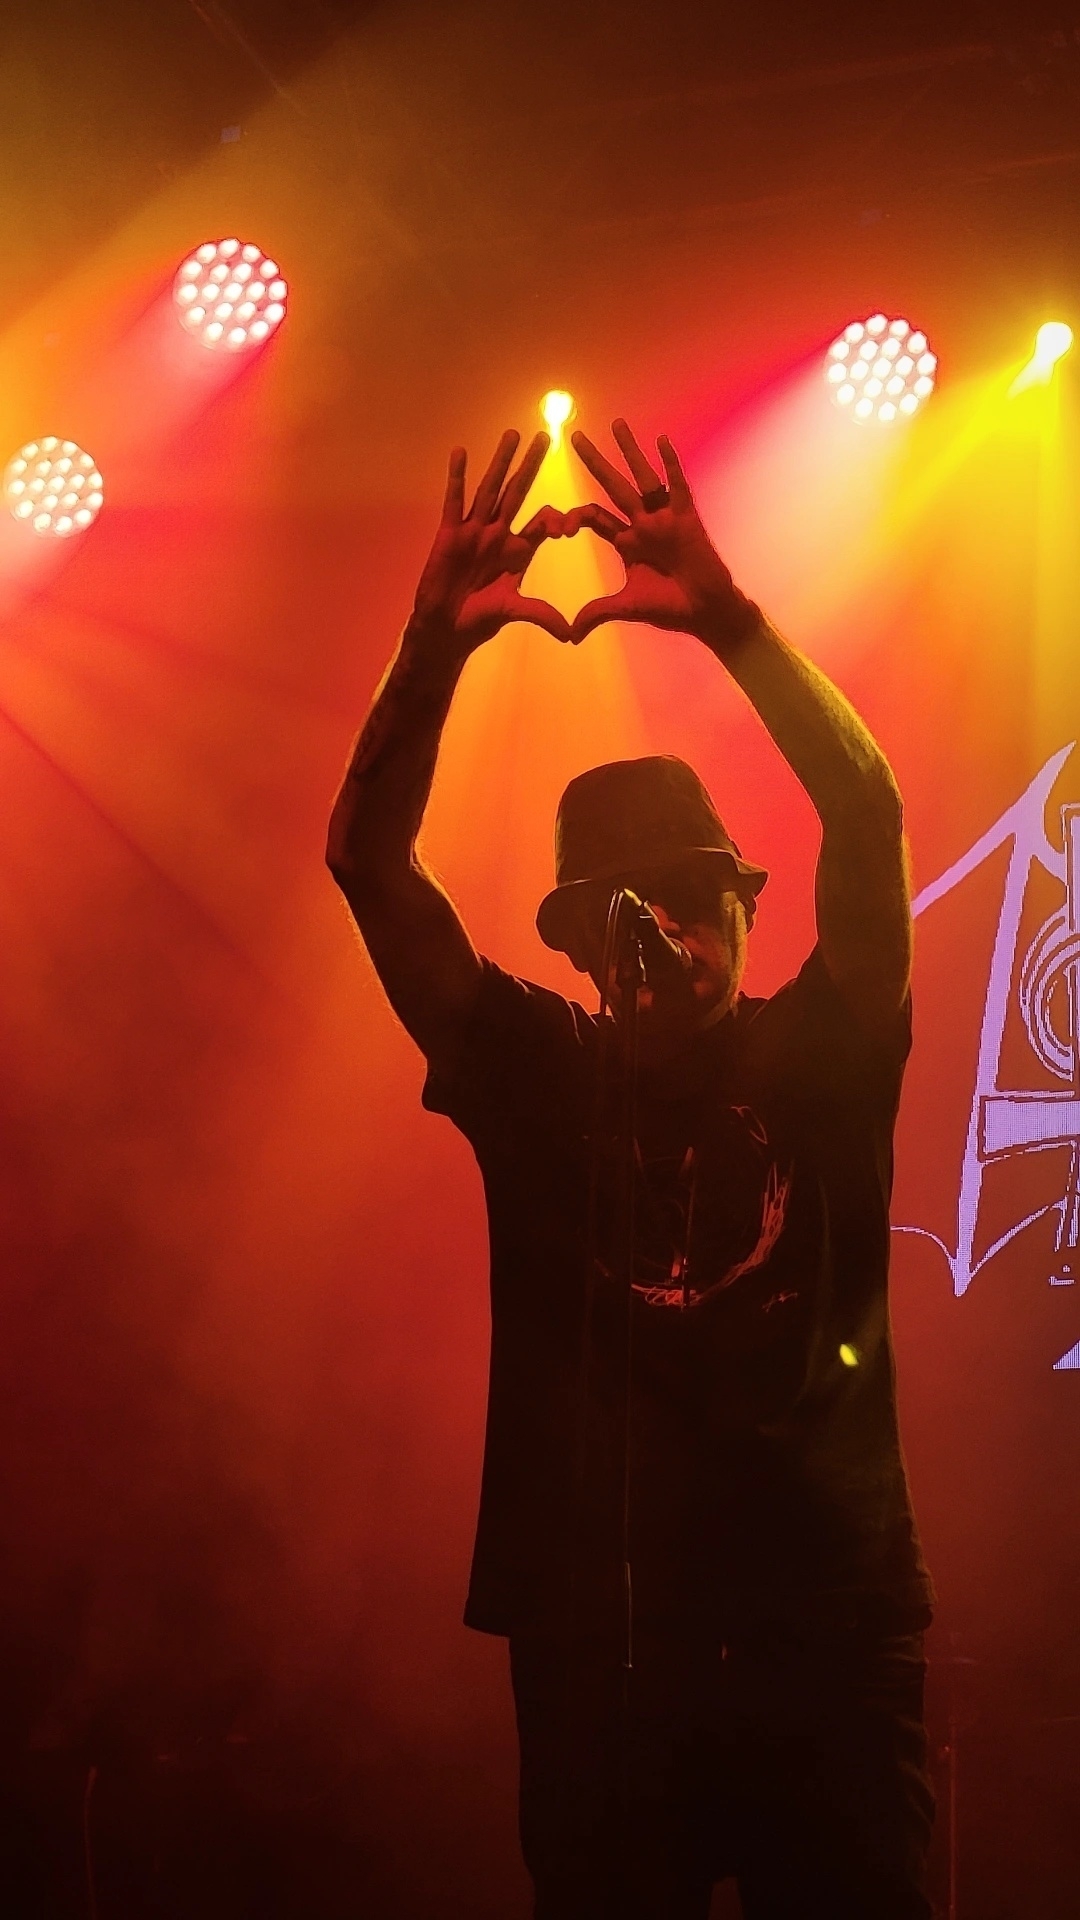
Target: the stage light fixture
pixel 53 487
pixel 880 369
pixel 229 295
pixel 1052 342
pixel 557 409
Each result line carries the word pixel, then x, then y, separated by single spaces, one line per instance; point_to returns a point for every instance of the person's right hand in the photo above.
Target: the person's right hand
pixel 471 585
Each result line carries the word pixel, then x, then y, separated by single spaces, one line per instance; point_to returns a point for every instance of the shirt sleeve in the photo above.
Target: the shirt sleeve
pixel 810 1026
pixel 522 1060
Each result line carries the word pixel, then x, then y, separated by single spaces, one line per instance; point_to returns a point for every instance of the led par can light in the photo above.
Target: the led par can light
pixel 53 487
pixel 229 295
pixel 880 369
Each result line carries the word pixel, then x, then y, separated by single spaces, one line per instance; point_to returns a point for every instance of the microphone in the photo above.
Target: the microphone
pixel 664 961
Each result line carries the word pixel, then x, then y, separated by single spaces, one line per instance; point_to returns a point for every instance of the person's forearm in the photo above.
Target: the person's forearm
pixel 830 750
pixel 380 806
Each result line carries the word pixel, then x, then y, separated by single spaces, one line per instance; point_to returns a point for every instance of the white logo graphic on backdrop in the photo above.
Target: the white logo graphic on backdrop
pixel 1007 1121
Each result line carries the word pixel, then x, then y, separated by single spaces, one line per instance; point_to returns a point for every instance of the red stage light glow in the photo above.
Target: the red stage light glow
pixel 229 294
pixel 53 487
pixel 880 369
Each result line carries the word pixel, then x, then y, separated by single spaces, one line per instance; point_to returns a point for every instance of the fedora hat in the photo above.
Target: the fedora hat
pixel 630 817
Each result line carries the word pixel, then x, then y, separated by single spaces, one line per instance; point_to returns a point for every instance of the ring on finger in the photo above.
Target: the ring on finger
pixel 656 498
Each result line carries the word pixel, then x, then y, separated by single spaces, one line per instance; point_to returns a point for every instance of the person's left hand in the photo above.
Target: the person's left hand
pixel 674 576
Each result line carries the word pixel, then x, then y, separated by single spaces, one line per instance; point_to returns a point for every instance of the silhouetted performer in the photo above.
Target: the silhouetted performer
pixel 715 1605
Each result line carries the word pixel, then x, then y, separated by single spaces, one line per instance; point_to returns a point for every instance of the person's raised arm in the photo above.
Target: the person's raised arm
pixel 469 589
pixel 675 579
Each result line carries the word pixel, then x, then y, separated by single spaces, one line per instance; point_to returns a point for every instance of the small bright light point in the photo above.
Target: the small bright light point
pixel 212 280
pixel 1053 340
pixel 849 1355
pixel 888 358
pixel 557 407
pixel 49 499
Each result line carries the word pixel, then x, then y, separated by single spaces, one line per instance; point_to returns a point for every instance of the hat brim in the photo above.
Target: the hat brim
pixel 558 911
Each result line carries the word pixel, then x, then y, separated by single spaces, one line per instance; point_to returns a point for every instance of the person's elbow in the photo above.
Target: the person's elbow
pixel 341 848
pixel 355 859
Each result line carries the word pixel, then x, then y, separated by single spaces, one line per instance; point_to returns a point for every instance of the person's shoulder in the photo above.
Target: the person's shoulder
pixel 809 1016
pixel 523 1047
pixel 510 998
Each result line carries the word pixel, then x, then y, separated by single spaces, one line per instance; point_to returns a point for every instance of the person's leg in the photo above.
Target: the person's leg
pixel 835 1806
pixel 608 1800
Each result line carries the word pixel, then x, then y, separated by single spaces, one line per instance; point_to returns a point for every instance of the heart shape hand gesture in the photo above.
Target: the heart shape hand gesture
pixel 675 579
pixel 471 585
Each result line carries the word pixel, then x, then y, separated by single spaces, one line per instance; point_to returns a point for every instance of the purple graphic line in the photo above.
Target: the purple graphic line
pixel 1005 1121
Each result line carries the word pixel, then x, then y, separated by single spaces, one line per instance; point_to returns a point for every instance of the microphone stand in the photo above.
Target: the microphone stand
pixel 629 972
pixel 623 966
